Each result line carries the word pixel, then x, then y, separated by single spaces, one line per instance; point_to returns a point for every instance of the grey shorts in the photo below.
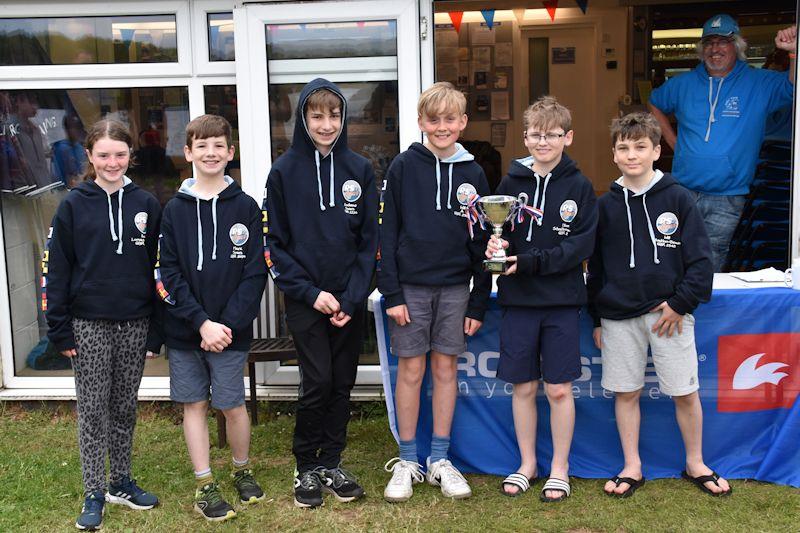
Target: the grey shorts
pixel 437 321
pixel 624 355
pixel 192 373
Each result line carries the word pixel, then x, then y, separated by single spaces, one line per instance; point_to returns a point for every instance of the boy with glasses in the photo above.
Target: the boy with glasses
pixel 543 290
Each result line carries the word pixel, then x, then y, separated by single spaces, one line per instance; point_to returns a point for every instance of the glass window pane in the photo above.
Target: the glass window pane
pixel 221 100
pixel 220 37
pixel 371 131
pixel 41 154
pixel 70 40
pixel 332 39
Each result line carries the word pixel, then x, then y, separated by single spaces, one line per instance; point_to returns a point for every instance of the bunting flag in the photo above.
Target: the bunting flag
pixel 488 16
pixel 456 17
pixel 551 6
pixel 583 4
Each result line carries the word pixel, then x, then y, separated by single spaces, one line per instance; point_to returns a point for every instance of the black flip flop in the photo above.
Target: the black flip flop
pixel 700 482
pixel 518 480
pixel 633 484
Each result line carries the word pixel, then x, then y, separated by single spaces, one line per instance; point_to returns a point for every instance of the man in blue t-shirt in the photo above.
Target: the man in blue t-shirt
pixel 721 108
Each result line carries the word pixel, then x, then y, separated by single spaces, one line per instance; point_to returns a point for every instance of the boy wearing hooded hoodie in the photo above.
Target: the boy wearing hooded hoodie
pixel 211 276
pixel 651 267
pixel 321 236
pixel 427 261
pixel 543 290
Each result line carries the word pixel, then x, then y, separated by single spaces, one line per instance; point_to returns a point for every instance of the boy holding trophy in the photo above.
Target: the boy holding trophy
pixel 542 289
pixel 321 237
pixel 427 261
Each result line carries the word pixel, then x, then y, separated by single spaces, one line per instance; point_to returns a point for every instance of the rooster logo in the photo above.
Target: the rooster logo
pixel 750 376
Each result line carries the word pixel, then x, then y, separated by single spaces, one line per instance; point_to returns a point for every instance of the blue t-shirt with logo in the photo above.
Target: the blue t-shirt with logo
pixel 721 124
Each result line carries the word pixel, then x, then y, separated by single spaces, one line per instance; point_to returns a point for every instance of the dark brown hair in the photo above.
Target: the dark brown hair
pixel 206 126
pixel 106 128
pixel 635 126
pixel 323 100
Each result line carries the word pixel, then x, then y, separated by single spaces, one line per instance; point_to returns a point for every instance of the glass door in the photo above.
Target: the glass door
pixel 366 47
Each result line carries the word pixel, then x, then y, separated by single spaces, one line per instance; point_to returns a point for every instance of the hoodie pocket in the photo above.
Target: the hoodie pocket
pixel 115 298
pixel 332 261
pixel 417 260
pixel 706 173
pixel 625 295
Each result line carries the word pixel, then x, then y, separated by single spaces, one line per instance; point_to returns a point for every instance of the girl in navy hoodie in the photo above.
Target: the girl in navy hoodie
pixel 98 293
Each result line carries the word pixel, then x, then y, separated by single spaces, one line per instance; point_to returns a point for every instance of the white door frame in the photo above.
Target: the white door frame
pixel 252 75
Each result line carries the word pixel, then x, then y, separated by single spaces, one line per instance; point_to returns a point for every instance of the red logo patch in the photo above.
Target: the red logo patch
pixel 757 372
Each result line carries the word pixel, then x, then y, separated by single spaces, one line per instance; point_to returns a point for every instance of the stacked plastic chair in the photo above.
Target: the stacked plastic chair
pixel 761 238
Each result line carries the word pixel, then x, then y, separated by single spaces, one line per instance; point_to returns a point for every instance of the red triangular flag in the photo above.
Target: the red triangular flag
pixel 551 6
pixel 456 17
pixel 583 4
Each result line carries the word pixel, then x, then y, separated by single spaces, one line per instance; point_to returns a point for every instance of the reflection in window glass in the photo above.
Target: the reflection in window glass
pixel 220 37
pixel 221 100
pixel 332 39
pixel 41 155
pixel 71 40
pixel 371 131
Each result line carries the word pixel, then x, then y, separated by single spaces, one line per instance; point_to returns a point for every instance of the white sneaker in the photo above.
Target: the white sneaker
pixel 444 474
pixel 404 474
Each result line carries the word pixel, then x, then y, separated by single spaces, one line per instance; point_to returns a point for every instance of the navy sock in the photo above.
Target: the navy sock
pixel 439 447
pixel 408 450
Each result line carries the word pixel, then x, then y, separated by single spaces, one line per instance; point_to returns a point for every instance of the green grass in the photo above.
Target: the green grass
pixel 40 487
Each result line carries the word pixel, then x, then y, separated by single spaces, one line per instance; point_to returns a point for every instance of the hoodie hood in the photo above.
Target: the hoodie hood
pixel 658 183
pixel 90 189
pixel 303 142
pixel 715 88
pixel 523 168
pixel 186 193
pixel 461 156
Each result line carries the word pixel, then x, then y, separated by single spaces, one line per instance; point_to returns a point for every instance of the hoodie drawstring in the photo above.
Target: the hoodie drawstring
pixel 332 203
pixel 650 229
pixel 114 236
pixel 536 201
pixel 199 238
pixel 632 263
pixel 111 219
pixel 319 182
pixel 712 105
pixel 438 184
pixel 214 219
pixel 450 186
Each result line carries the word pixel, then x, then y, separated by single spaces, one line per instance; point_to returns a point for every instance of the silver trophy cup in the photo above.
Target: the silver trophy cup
pixel 497 209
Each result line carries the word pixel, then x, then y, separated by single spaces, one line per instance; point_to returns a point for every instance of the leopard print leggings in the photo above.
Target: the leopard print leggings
pixel 108 370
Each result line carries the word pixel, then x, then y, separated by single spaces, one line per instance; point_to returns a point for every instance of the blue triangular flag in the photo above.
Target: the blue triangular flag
pixel 488 16
pixel 583 4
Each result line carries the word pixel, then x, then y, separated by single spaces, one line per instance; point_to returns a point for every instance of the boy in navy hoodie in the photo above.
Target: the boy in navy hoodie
pixel 651 268
pixel 427 261
pixel 321 233
pixel 543 290
pixel 211 277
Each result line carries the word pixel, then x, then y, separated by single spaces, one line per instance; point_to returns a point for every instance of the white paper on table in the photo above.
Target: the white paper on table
pixel 765 275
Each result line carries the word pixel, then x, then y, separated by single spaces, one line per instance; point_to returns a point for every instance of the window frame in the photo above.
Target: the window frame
pixel 200 11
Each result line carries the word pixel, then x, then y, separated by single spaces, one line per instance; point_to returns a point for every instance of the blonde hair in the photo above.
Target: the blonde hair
pixel 634 126
pixel 546 113
pixel 440 95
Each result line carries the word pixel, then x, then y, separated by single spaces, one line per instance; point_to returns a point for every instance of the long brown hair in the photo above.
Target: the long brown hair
pixel 114 130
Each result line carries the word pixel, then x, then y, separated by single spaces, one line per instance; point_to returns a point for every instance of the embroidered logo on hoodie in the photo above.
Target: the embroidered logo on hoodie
pixel 568 210
pixel 239 235
pixel 140 221
pixel 351 190
pixel 465 192
pixel 731 107
pixel 667 223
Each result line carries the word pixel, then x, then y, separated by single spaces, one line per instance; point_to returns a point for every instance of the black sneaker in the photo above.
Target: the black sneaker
pixel 209 502
pixel 246 486
pixel 342 484
pixel 127 492
pixel 91 517
pixel 308 488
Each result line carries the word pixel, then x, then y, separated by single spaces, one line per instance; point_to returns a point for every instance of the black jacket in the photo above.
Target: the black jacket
pixel 550 250
pixel 656 251
pixel 211 265
pixel 425 238
pixel 320 216
pixel 99 258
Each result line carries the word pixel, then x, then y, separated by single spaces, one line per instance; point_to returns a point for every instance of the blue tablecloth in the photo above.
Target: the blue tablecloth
pixel 748 343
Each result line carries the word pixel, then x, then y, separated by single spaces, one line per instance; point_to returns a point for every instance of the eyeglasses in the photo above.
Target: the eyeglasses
pixel 719 42
pixel 538 137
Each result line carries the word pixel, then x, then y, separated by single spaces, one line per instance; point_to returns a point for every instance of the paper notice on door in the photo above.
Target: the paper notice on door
pixel 503 55
pixel 500 105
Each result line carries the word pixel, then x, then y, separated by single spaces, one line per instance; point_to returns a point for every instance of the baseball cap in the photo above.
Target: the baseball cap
pixel 720 25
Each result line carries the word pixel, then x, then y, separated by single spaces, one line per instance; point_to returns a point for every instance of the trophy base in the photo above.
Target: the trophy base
pixel 494 266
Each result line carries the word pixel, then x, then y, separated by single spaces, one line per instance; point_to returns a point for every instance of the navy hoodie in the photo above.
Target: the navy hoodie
pixel 550 250
pixel 424 233
pixel 651 247
pixel 320 216
pixel 99 258
pixel 211 265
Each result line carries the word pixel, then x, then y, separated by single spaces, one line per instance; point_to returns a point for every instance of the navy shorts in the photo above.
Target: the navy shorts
pixel 193 373
pixel 539 343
